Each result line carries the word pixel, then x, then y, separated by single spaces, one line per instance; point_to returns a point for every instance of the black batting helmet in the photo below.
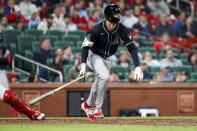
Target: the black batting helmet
pixel 109 12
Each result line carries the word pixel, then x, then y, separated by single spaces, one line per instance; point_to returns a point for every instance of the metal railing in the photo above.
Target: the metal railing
pixel 37 67
pixel 188 2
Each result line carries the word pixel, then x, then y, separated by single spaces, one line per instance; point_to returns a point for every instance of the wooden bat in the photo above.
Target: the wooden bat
pixel 45 95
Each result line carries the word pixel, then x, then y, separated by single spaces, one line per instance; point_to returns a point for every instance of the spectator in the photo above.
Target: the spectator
pixel 163 44
pixel 136 38
pixel 180 21
pixel 143 26
pixel 15 15
pixel 46 24
pixel 147 75
pixel 129 19
pixel 123 59
pixel 147 58
pixel 27 9
pixel 4 24
pixel 58 18
pixel 187 30
pixel 163 27
pixel 136 11
pixel 131 76
pixel 89 25
pixel 34 78
pixel 157 78
pixel 2 11
pixel 59 62
pixel 181 77
pixel 10 5
pixel 166 77
pixel 96 4
pixel 14 78
pixel 73 73
pixel 63 8
pixel 89 77
pixel 192 59
pixel 114 77
pixel 79 15
pixel 141 5
pixel 169 59
pixel 20 26
pixel 35 19
pixel 68 25
pixel 67 53
pixel 96 14
pixel 157 7
pixel 42 55
pixel 68 6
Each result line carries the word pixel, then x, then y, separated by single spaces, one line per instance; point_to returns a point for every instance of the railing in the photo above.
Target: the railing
pixel 188 2
pixel 37 67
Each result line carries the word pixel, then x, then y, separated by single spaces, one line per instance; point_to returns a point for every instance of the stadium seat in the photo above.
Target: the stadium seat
pixel 185 68
pixel 66 68
pixel 10 37
pixel 79 44
pixel 57 33
pixel 72 38
pixel 51 38
pixel 25 43
pixel 36 33
pixel 149 43
pixel 154 69
pixel 62 44
pixel 35 45
pixel 121 70
pixel 193 76
pixel 150 49
pixel 79 33
pixel 28 66
pixel 34 27
pixel 184 55
pixel 192 81
pixel 76 51
pixel 143 38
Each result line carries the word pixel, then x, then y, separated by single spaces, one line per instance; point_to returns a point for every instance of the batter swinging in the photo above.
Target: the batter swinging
pixel 100 43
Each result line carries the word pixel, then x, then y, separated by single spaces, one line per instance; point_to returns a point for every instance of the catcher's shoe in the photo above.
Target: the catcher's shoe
pixel 38 116
pixel 97 111
pixel 88 111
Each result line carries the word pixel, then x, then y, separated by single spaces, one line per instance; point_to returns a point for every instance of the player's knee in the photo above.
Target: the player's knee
pixel 10 97
pixel 105 77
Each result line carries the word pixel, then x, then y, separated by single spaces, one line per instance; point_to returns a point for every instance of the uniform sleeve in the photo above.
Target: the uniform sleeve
pixel 128 42
pixel 6 58
pixel 89 40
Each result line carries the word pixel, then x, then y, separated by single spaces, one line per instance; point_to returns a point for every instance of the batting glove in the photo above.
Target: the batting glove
pixel 83 69
pixel 138 74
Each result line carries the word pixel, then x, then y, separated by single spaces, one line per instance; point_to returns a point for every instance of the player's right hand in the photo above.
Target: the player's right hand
pixel 83 69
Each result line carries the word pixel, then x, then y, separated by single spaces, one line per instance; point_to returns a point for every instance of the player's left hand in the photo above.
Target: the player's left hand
pixel 138 74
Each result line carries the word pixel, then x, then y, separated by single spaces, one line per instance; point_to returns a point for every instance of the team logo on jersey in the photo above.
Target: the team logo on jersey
pixel 116 41
pixel 1 54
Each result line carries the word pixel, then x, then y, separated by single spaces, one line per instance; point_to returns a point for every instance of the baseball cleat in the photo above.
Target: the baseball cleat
pixel 88 111
pixel 38 116
pixel 97 111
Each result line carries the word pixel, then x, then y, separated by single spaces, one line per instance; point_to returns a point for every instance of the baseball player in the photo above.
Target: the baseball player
pixel 6 94
pixel 100 43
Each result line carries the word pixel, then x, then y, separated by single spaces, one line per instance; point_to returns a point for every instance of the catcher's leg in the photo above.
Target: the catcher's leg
pixel 9 97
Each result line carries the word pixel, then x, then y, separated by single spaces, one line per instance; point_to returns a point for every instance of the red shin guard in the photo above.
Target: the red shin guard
pixel 15 102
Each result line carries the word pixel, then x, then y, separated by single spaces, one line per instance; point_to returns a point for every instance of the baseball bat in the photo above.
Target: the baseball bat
pixel 45 95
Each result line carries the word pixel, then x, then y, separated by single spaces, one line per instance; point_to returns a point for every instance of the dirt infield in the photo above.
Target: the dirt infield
pixel 117 121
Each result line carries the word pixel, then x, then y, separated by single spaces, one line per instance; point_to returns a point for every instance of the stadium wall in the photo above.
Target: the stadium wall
pixel 171 99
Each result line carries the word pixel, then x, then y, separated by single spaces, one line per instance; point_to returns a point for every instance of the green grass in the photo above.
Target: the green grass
pixel 93 127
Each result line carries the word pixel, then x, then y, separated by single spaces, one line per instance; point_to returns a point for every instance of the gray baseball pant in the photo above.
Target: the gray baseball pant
pixel 4 85
pixel 101 67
